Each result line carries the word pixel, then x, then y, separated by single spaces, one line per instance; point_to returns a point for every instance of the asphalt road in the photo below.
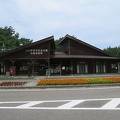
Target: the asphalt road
pixel 60 104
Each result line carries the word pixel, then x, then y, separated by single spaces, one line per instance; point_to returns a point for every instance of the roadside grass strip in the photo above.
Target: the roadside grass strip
pixel 78 81
pixel 108 104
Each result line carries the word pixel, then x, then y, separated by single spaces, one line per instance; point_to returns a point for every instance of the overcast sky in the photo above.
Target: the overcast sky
pixel 94 21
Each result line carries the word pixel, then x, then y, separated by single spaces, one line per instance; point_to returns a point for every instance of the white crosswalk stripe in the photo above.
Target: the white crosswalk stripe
pixel 110 104
pixel 71 104
pixel 29 104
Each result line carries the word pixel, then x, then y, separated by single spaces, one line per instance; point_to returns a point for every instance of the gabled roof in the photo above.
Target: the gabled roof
pixel 84 43
pixel 29 45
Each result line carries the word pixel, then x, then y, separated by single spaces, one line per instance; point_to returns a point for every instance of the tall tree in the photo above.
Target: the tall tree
pixel 115 51
pixel 9 39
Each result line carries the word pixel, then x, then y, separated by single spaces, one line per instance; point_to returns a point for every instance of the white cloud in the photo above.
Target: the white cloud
pixel 93 20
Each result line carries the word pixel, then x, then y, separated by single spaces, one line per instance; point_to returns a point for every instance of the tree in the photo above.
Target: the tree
pixel 9 39
pixel 115 51
pixel 57 46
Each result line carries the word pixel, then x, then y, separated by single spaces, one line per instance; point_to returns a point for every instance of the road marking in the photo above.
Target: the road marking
pixel 55 108
pixel 58 100
pixel 112 104
pixel 70 105
pixel 29 104
pixel 59 89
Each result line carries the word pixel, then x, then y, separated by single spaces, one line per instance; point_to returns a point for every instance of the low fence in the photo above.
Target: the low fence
pixel 12 83
pixel 4 77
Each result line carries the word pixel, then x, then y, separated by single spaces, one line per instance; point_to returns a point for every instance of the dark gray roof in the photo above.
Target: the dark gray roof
pixel 84 43
pixel 62 55
pixel 28 45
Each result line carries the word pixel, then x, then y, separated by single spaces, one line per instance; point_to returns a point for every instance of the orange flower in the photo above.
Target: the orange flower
pixel 78 81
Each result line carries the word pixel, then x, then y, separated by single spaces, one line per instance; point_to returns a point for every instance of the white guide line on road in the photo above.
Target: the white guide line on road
pixel 60 89
pixel 111 104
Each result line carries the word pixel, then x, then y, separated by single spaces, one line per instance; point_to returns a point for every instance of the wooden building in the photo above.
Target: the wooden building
pixel 73 56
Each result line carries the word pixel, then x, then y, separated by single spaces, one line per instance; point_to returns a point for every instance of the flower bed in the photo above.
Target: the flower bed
pixel 10 84
pixel 62 81
pixel 79 81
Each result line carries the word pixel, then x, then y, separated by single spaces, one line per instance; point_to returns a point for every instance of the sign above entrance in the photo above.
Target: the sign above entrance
pixel 37 51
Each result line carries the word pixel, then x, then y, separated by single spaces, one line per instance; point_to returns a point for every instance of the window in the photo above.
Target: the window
pixel 100 68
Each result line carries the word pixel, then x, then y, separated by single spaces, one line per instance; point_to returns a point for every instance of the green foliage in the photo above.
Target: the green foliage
pixel 98 81
pixel 57 46
pixel 113 51
pixel 56 43
pixel 9 39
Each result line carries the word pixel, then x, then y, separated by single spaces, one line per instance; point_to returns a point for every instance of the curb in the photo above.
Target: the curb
pixel 63 86
pixel 72 86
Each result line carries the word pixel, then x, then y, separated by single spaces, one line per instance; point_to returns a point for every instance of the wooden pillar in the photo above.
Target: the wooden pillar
pixel 30 68
pixel 78 68
pixel 60 68
pixel 69 49
pixel 33 64
pixel 71 67
pixel 11 69
pixel 48 67
pixel 118 67
pixel 104 68
pixel 96 68
pixel 2 68
pixel 86 68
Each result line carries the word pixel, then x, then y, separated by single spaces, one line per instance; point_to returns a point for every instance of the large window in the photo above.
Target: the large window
pixel 100 68
pixel 82 68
